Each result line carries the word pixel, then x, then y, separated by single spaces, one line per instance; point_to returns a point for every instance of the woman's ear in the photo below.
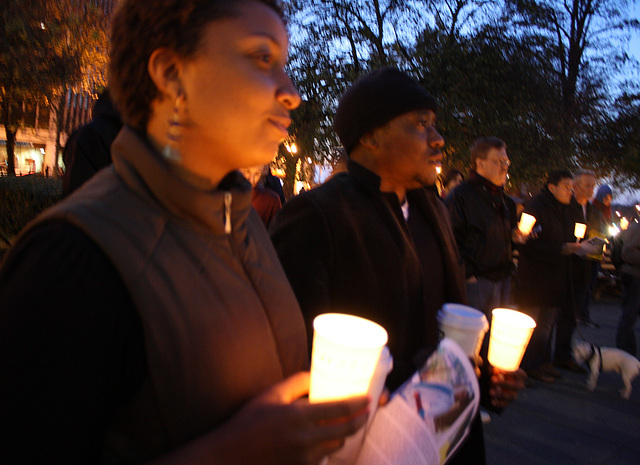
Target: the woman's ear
pixel 164 69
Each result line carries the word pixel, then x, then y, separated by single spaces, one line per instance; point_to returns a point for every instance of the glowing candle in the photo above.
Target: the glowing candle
pixel 526 223
pixel 509 337
pixel 580 230
pixel 624 223
pixel 346 350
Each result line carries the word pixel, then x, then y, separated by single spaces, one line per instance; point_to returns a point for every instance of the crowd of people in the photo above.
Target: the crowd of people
pixel 170 326
pixel 550 274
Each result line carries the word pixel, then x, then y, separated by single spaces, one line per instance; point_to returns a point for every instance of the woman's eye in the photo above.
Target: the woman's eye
pixel 264 58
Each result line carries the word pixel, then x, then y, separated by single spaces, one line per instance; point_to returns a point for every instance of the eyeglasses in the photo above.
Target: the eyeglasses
pixel 501 163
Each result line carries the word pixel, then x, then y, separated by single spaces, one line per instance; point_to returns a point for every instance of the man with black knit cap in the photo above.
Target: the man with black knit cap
pixel 374 241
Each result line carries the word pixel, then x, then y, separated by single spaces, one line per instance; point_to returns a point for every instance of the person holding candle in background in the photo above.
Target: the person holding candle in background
pixel 484 220
pixel 588 223
pixel 544 271
pixel 586 268
pixel 162 328
pixel 374 241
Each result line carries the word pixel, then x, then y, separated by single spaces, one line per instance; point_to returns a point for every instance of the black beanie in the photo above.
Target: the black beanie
pixel 375 99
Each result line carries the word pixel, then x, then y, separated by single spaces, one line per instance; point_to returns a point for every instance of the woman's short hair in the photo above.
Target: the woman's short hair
pixel 141 26
pixel 481 146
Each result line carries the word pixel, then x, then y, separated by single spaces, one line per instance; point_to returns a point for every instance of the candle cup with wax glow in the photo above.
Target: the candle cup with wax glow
pixel 579 231
pixel 346 350
pixel 509 337
pixel 526 223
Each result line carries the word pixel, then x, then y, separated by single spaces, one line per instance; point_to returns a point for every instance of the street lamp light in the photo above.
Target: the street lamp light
pixel 292 147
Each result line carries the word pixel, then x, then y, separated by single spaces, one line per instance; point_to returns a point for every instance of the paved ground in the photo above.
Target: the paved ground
pixel 565 424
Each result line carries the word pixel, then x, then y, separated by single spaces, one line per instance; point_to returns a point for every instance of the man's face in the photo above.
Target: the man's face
pixel 583 187
pixel 410 150
pixel 562 191
pixel 607 200
pixel 495 167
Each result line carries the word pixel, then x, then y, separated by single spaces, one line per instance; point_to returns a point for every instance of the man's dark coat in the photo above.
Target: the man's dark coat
pixel 345 247
pixel 544 273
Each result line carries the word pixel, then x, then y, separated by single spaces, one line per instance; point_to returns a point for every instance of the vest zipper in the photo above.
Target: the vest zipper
pixel 227 212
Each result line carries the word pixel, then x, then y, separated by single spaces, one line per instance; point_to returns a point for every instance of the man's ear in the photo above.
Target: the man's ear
pixel 369 140
pixel 164 69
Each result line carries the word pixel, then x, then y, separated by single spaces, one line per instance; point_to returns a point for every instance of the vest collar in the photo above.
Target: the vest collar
pixel 145 171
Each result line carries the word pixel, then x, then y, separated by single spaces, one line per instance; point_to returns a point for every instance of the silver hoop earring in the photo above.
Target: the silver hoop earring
pixel 174 135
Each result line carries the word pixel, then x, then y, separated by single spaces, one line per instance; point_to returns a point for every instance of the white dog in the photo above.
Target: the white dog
pixel 607 359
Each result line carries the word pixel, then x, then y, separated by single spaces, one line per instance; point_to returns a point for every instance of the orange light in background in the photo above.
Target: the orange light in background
pixel 292 147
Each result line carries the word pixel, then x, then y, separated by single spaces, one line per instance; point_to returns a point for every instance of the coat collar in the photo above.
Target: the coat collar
pixel 144 170
pixel 484 183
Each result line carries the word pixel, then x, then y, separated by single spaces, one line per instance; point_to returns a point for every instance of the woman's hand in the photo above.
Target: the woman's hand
pixel 278 427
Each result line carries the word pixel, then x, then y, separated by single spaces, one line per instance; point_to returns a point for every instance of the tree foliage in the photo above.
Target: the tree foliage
pixel 527 71
pixel 615 146
pixel 46 48
pixel 333 43
pixel 489 84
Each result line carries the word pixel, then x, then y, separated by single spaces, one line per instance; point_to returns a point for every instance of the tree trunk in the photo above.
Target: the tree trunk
pixel 59 110
pixel 11 150
pixel 11 129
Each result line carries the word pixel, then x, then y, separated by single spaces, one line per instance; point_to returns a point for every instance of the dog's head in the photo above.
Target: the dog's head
pixel 582 351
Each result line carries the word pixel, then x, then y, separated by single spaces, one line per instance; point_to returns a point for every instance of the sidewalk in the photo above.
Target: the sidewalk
pixel 565 424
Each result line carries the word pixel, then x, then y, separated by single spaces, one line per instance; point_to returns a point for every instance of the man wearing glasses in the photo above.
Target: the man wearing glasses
pixel 484 222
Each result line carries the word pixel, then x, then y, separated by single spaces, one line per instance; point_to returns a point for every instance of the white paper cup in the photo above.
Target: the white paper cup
pixel 346 350
pixel 526 223
pixel 509 337
pixel 580 230
pixel 465 325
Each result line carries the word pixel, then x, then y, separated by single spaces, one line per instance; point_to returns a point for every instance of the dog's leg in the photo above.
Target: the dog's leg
pixel 626 391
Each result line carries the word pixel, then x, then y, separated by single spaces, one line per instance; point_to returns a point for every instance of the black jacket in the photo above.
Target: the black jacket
pixel 582 266
pixel 88 148
pixel 544 273
pixel 482 220
pixel 346 247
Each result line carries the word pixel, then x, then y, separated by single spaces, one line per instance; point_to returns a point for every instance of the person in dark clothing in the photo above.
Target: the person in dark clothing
pixel 544 272
pixel 162 328
pixel 88 148
pixel 273 183
pixel 374 241
pixel 581 211
pixel 630 305
pixel 586 268
pixel 484 222
pixel 604 197
pixel 452 179
pixel 264 201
